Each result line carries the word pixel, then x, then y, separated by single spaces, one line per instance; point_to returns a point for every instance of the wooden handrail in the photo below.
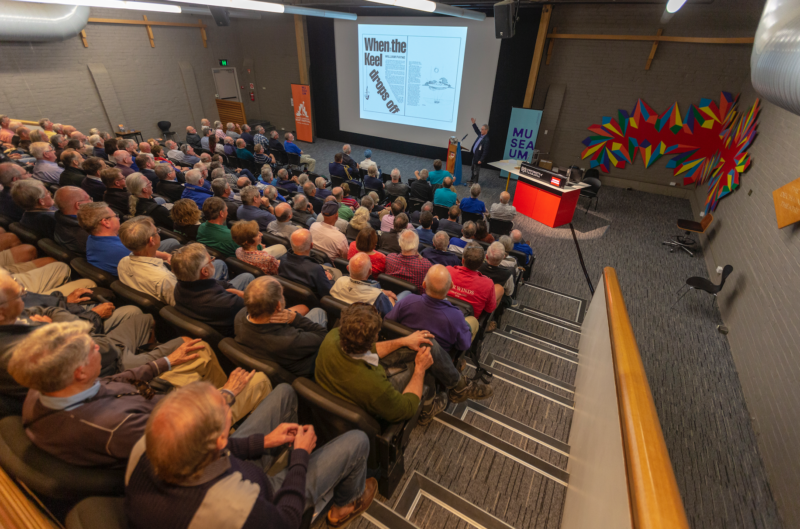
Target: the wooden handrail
pixel 16 510
pixel 654 496
pixel 653 38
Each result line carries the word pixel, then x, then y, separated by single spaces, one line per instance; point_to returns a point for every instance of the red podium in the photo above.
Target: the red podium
pixel 551 205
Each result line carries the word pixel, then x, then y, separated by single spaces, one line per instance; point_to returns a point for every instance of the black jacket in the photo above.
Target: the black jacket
pixel 421 190
pixel 303 217
pixel 172 189
pixel 450 226
pixel 483 148
pixel 208 301
pixel 232 207
pixel 276 145
pixel 389 242
pixel 10 209
pixel 117 200
pixel 443 258
pixel 415 219
pixel 151 175
pixel 94 188
pixel 348 161
pixel 305 270
pixel 316 203
pixel 43 223
pixel 151 208
pixel 194 141
pixel 70 235
pixel 71 176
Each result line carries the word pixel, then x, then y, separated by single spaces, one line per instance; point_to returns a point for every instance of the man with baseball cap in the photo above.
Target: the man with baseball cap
pixel 326 236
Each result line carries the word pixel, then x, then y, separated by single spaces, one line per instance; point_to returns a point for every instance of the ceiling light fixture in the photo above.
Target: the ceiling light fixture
pixel 113 4
pixel 251 5
pixel 434 7
pixel 674 5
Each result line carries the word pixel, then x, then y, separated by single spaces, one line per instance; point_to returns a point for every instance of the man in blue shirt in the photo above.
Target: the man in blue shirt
pixel 104 249
pixel 445 196
pixel 246 136
pixel 439 254
pixel 337 168
pixel 438 174
pixel 194 188
pixel 251 208
pixel 291 147
pixel 471 204
pixel 424 230
pixel 457 244
pixel 520 245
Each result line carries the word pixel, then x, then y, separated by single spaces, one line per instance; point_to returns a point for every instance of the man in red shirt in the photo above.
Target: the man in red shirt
pixel 470 285
pixel 408 265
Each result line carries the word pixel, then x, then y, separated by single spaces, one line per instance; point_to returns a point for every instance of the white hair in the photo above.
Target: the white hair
pixel 496 253
pixel 408 240
pixel 194 176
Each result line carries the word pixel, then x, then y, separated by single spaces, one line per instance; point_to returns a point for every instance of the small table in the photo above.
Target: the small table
pixel 130 134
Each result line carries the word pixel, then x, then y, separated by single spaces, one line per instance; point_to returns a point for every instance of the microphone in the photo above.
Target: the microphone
pixel 465 136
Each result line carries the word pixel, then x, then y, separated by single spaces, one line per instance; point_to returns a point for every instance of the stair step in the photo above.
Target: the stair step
pixel 582 303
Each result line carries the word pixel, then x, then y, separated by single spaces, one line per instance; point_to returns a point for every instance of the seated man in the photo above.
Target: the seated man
pixel 337 168
pixel 310 192
pixel 286 182
pixel 424 231
pixel 93 183
pixel 168 184
pixel 125 163
pixel 46 168
pixel 116 194
pixel 348 161
pixel 189 156
pixel 373 179
pixel 10 173
pixel 241 151
pixel 420 189
pixel 222 189
pixel 368 202
pixel 285 336
pixel 300 267
pixel 211 485
pixel 104 249
pixel 500 275
pixel 252 209
pixel 72 414
pixel 345 211
pixel 471 204
pixel 390 241
pixel 73 173
pixel 451 222
pixel 457 244
pixel 301 209
pixel 438 254
pixel 438 174
pixel 387 221
pixel 327 237
pixel 291 147
pixel 502 210
pixel 351 365
pixel 396 187
pixel 282 226
pixel 192 138
pixel 147 165
pixel 194 188
pixel 521 245
pixel 35 199
pixel 322 188
pixel 445 196
pixel 359 288
pixel 368 161
pixel 408 265
pixel 68 233
pixel 417 216
pixel 470 285
pixel 214 231
pixel 209 301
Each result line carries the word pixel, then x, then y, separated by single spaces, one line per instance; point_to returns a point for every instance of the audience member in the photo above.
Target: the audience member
pixel 396 187
pixel 389 240
pixel 124 162
pixel 451 224
pixel 470 285
pixel 420 189
pixel 241 151
pixel 189 157
pixel 300 267
pixel 368 203
pixel 345 212
pixel 502 210
pixel 521 245
pixel 438 175
pixel 275 143
pixel 194 188
pixel 68 233
pixel 251 209
pixel 32 196
pixel 359 221
pixel 445 196
pixel 192 138
pixel 348 200
pixel 98 146
pixel 285 182
pixel 471 204
pixel 232 130
pixel 9 174
pixel 367 163
pixel 348 160
pixel 282 225
pixel 109 146
pixel 500 275
pixel 116 194
pixel 60 364
pixel 302 211
pixel 147 164
pixel 141 201
pixel 373 179
pixel 326 236
pixel 259 156
pixel 366 241
pixel 337 168
pixel 203 485
pixel 247 235
pixel 349 367
pixel 359 288
pixel 45 169
pixel 387 221
pixel 424 231
pixel 209 301
pixel 214 231
pixel 290 146
pixel 73 174
pixel 5 130
pixel 322 190
pixel 186 218
pixel 289 337
pixel 219 131
pixel 222 189
pixel 457 244
pixel 168 184
pixel 438 254
pixel 408 265
pixel 482 232
pixel 246 135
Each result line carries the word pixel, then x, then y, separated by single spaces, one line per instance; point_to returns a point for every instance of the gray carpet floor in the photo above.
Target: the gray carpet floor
pixel 690 369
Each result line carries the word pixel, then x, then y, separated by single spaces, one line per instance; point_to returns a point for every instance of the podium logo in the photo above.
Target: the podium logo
pixel 301 111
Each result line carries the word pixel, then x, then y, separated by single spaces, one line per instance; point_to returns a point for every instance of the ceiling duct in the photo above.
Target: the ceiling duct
pixel 775 61
pixel 26 22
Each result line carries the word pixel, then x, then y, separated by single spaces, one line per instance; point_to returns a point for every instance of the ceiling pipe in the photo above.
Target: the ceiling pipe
pixel 775 60
pixel 40 22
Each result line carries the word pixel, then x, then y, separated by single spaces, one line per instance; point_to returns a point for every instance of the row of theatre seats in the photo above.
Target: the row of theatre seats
pixel 52 478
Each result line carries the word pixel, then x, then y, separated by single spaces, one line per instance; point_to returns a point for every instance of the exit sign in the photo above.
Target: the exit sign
pixel 223 62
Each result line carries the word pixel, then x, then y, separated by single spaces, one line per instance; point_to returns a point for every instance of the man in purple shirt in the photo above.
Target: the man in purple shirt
pixel 45 169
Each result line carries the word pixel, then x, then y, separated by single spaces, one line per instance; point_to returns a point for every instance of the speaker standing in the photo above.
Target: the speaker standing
pixel 479 151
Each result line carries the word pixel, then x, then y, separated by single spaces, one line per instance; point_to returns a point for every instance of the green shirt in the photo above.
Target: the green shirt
pixel 218 237
pixel 345 212
pixel 358 382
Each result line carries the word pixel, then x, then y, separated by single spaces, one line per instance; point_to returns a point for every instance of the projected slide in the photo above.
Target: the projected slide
pixel 411 75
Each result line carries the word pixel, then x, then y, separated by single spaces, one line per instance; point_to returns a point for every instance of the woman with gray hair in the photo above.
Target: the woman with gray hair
pixel 359 221
pixel 141 201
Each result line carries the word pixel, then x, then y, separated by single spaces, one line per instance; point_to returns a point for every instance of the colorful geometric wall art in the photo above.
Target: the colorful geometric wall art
pixel 708 145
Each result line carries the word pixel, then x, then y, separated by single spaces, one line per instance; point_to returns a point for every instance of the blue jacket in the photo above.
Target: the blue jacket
pixel 196 193
pixel 262 217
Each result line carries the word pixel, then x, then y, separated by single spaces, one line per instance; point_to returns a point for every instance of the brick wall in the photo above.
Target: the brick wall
pixel 52 79
pixel 605 76
pixel 760 302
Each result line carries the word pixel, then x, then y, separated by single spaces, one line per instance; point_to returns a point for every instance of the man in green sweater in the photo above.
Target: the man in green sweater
pixel 349 366
pixel 214 232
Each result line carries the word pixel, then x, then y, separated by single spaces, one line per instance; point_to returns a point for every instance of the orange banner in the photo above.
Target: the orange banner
pixel 452 148
pixel 301 96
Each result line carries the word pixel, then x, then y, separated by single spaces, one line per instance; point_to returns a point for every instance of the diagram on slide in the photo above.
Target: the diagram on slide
pixel 411 74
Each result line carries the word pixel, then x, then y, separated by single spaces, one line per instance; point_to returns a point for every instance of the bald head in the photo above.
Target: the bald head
pixel 122 157
pixel 283 212
pixel 437 282
pixel 338 193
pixel 301 242
pixel 516 236
pixel 243 182
pixel 144 147
pixel 505 196
pixel 68 199
pixel 360 267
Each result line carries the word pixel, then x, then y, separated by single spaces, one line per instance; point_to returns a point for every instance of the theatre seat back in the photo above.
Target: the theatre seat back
pixel 146 302
pixel 55 250
pixel 245 358
pixel 26 235
pixel 297 294
pixel 396 285
pixel 236 267
pixel 186 325
pixel 88 271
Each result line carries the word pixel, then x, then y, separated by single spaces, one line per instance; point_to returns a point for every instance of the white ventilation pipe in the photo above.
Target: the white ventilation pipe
pixel 775 61
pixel 21 21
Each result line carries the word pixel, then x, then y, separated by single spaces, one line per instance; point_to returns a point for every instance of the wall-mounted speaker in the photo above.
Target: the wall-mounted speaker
pixel 505 17
pixel 220 15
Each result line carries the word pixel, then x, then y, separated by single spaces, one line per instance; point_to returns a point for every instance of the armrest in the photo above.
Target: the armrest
pixel 84 269
pixel 55 250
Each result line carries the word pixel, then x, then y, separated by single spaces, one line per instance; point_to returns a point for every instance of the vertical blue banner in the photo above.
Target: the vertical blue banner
pixel 523 128
pixel 457 170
